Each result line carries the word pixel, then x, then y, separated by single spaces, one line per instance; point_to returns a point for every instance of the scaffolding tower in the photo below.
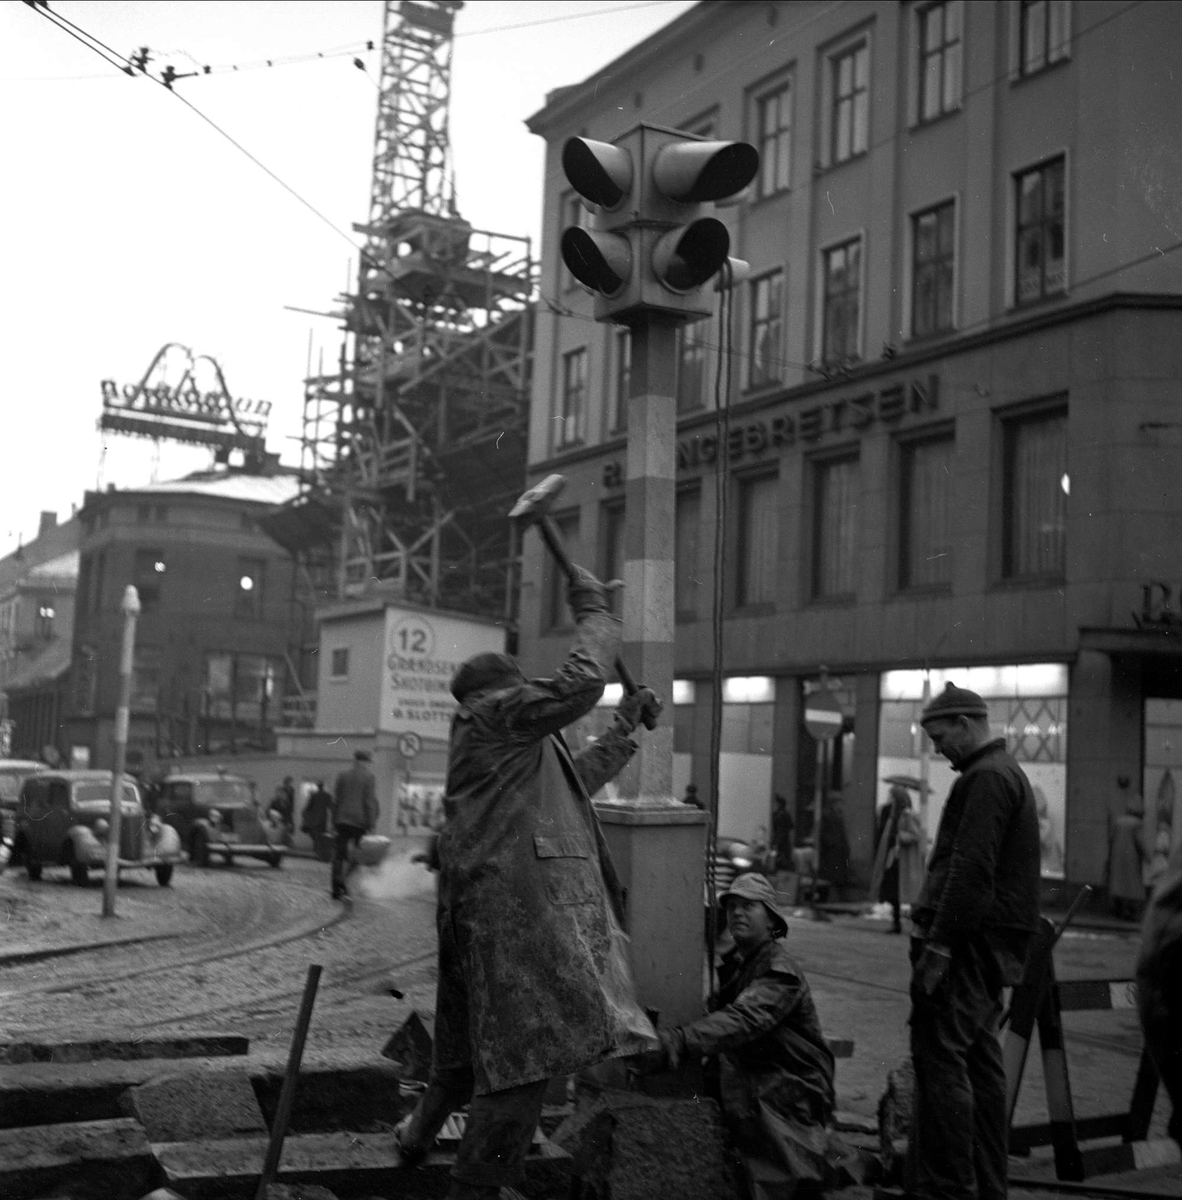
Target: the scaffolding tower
pixel 413 447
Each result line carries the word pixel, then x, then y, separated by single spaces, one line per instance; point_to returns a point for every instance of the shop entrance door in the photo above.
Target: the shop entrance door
pixel 1161 783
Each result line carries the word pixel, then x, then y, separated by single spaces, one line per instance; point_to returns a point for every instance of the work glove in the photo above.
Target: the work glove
pixel 639 706
pixel 586 595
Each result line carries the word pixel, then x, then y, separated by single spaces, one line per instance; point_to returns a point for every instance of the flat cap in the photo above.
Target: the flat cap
pixel 954 702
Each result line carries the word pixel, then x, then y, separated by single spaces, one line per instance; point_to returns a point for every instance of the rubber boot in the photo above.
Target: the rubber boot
pixel 415 1134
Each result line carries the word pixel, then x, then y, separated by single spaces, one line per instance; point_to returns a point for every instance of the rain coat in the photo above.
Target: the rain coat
pixel 534 975
pixel 775 1069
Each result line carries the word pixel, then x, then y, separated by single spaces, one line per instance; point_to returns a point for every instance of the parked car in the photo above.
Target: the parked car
pixel 13 772
pixel 215 813
pixel 64 819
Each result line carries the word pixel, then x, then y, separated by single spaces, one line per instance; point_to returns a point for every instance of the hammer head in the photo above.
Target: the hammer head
pixel 535 503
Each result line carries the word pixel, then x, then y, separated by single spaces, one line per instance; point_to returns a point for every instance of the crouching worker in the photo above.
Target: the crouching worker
pixel 534 980
pixel 774 1067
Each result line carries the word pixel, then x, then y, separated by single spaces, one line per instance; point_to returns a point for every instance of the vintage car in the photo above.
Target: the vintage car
pixel 13 772
pixel 64 818
pixel 215 813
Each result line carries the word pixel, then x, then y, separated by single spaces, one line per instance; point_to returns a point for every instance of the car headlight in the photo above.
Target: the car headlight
pixel 155 824
pixel 215 817
pixel 102 827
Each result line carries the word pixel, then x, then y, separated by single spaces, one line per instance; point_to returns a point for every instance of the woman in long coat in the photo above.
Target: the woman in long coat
pixel 898 856
pixel 534 980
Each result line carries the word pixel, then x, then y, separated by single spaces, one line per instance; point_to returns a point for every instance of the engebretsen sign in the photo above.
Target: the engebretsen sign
pixel 848 414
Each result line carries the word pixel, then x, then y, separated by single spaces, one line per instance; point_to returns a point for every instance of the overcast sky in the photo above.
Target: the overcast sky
pixel 128 222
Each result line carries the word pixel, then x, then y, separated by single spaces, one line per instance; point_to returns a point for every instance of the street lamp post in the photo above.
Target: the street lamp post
pixel 130 608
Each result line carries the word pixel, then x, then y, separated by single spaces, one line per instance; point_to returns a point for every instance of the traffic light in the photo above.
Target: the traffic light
pixel 651 247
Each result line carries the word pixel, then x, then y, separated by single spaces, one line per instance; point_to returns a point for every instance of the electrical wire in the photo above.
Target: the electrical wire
pixel 596 12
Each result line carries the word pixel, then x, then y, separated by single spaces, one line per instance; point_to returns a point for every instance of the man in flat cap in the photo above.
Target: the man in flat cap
pixel 354 814
pixel 534 978
pixel 973 921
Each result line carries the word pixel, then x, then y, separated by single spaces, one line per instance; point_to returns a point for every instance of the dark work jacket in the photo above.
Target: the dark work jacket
pixel 355 800
pixel 983 876
pixel 526 884
pixel 775 1068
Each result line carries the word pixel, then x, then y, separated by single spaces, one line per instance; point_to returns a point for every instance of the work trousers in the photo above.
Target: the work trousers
pixel 958 1129
pixel 342 860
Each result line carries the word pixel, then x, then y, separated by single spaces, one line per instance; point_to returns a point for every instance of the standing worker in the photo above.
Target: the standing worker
pixel 973 922
pixel 534 979
pixel 354 814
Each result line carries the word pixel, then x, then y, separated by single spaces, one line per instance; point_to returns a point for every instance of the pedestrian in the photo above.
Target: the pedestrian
pixel 354 814
pixel 898 855
pixel 972 926
pixel 283 804
pixel 766 1056
pixel 1159 983
pixel 533 980
pixel 783 831
pixel 1126 855
pixel 314 820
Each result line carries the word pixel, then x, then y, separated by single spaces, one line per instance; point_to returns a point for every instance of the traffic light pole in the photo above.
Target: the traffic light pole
pixel 657 842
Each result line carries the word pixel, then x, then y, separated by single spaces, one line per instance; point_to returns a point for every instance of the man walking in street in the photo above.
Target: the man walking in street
pixel 973 921
pixel 534 978
pixel 354 814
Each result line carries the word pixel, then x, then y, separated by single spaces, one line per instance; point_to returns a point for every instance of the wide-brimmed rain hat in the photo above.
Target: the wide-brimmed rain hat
pixel 905 781
pixel 753 886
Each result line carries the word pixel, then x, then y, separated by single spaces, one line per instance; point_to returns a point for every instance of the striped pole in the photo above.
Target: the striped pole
pixel 130 608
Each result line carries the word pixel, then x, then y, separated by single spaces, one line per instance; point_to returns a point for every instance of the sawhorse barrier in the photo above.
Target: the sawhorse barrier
pixel 1039 1002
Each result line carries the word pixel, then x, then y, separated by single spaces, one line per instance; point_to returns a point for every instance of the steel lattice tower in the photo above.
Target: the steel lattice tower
pixel 414 447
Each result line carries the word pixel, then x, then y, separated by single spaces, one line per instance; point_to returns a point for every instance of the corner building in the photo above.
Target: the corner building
pixel 953 432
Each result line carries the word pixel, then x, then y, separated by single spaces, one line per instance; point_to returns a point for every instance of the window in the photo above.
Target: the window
pixel 574 398
pixel 940 59
pixel 841 318
pixel 1044 34
pixel 612 551
pixel 623 379
pixel 574 216
pixel 44 623
pixel 758 533
pixel 557 611
pixel 241 687
pixel 933 258
pixel 1035 484
pixel 248 587
pixel 145 678
pixel 691 366
pixel 925 540
pixel 149 578
pixel 143 513
pixel 687 524
pixel 851 102
pixel 100 578
pixel 1040 235
pixel 339 663
pixel 773 114
pixel 835 528
pixel 767 300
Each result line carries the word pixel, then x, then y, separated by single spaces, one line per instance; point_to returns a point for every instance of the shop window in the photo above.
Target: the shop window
pixel 557 610
pixel 933 269
pixel 623 380
pixel 758 538
pixel 691 366
pixel 1044 34
pixel 150 568
pixel 241 687
pixel 841 315
pixel 940 58
pixel 573 417
pixel 773 118
pixel 43 627
pixel 767 317
pixel 1040 235
pixel 1035 487
pixel 248 587
pixel 850 80
pixel 687 529
pixel 338 667
pixel 612 551
pixel 925 538
pixel 836 487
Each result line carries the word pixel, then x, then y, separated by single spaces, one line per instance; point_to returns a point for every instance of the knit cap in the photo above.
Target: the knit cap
pixel 954 702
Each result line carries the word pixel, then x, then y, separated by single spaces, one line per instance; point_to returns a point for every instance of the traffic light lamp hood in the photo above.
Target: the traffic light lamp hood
pixel 600 172
pixel 698 172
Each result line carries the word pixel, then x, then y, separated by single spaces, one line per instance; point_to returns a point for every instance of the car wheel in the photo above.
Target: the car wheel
pixel 33 870
pixel 275 861
pixel 78 871
pixel 199 849
pixel 229 860
pixel 164 874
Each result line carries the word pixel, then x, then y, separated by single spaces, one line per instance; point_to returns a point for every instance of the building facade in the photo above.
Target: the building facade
pixel 223 624
pixel 950 422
